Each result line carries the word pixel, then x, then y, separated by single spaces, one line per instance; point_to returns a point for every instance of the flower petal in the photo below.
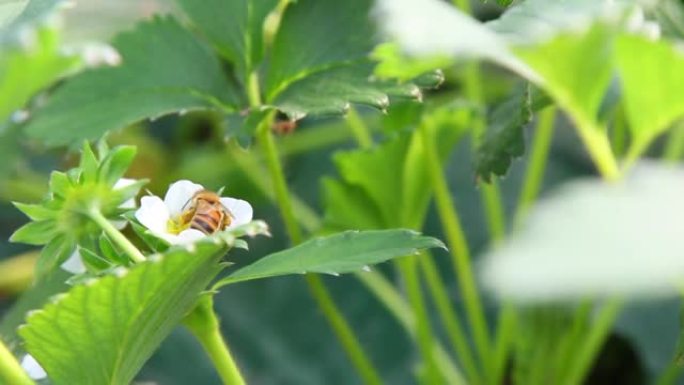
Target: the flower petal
pixel 74 264
pixel 33 368
pixel 179 194
pixel 241 210
pixel 153 214
pixel 188 236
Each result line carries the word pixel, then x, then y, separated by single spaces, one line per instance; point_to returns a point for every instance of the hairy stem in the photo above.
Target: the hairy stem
pixel 592 343
pixel 450 320
pixel 11 371
pixel 537 165
pixel 115 235
pixel 458 248
pixel 424 335
pixel 334 316
pixel 204 325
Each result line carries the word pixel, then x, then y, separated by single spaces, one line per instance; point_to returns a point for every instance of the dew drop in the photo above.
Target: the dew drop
pixel 366 268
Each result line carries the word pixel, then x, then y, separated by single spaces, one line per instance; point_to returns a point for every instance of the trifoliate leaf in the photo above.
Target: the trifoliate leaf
pixel 145 85
pixel 321 67
pixel 504 139
pixel 234 27
pixel 103 332
pixel 336 254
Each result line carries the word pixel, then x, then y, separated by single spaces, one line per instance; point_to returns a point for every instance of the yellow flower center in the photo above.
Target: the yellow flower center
pixel 177 225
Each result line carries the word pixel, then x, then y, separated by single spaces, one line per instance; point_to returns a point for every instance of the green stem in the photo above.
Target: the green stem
pixel 341 328
pixel 505 337
pixel 253 93
pixel 449 319
pixel 116 236
pixel 424 334
pixel 11 371
pixel 377 284
pixel 343 331
pixel 596 141
pixel 458 249
pixel 538 156
pixel 592 343
pixel 204 325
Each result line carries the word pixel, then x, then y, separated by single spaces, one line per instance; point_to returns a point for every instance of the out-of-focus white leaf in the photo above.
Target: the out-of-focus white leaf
pixel 593 238
pixel 433 27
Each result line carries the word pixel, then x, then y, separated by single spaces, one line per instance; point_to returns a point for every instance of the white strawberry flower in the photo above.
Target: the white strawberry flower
pixel 163 218
pixel 74 264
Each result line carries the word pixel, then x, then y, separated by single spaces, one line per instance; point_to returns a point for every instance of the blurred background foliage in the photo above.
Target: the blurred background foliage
pixel 276 331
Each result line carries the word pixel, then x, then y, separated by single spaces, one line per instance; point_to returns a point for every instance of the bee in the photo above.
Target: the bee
pixel 206 213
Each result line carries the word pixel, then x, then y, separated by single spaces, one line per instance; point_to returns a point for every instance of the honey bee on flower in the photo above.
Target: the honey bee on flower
pixel 189 212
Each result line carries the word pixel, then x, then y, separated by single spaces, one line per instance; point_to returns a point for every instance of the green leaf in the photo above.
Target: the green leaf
pixel 33 298
pixel 318 68
pixel 35 233
pixel 348 206
pixel 234 27
pixel 102 333
pixel 331 92
pixel 388 184
pixel 305 45
pixel 145 85
pixel 505 137
pixel 336 254
pixel 567 62
pixel 394 64
pixel 651 75
pixel 27 68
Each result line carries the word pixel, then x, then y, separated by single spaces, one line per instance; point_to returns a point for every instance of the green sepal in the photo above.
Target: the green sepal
pixel 89 163
pixel 116 163
pixel 35 233
pixel 59 183
pixel 93 261
pixel 36 212
pixel 54 254
pixel 109 251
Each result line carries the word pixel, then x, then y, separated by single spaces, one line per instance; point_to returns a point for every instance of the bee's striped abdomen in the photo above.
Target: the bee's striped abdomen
pixel 208 222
